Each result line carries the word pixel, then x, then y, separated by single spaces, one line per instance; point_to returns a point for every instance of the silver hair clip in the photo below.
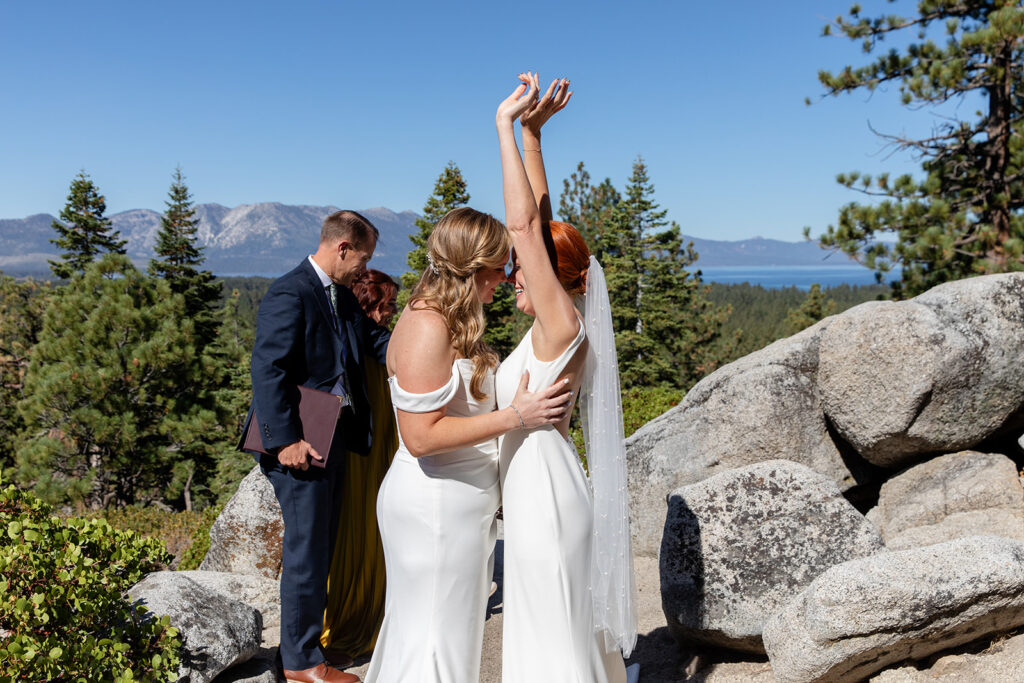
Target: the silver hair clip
pixel 431 264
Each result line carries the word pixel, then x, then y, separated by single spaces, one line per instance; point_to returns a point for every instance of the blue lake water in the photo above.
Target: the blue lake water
pixel 769 277
pixel 801 277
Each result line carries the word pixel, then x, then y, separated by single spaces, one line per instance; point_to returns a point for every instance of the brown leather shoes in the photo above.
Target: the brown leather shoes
pixel 321 673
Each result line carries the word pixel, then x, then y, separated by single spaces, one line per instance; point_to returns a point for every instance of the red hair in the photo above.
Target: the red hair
pixel 373 288
pixel 569 254
pixel 570 257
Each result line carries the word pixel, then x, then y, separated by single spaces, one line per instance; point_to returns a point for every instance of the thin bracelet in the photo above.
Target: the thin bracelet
pixel 531 150
pixel 522 425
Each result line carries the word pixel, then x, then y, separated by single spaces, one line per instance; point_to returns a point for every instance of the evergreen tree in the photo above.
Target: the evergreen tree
pixel 814 308
pixel 106 419
pixel 587 208
pixel 178 260
pixel 213 467
pixel 964 216
pixel 83 231
pixel 21 320
pixel 667 332
pixel 227 360
pixel 449 193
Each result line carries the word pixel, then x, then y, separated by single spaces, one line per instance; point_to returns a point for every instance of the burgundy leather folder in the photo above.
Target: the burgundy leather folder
pixel 318 412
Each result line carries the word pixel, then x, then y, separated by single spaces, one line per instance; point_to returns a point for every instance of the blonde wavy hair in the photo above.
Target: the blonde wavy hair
pixel 463 241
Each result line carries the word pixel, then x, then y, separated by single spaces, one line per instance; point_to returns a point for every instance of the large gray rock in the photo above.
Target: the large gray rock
pixel 217 633
pixel 763 406
pixel 246 537
pixel 862 616
pixel 952 496
pixel 1001 661
pixel 938 373
pixel 256 591
pixel 260 669
pixel 740 544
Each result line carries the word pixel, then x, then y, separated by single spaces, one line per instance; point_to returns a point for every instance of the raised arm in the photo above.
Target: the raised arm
pixel 421 357
pixel 556 323
pixel 532 120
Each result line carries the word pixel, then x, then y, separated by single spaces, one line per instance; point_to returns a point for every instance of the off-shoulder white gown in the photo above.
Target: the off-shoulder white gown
pixel 436 517
pixel 548 623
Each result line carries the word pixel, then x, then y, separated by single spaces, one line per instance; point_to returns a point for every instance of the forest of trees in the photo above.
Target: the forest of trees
pixel 120 386
pixel 126 387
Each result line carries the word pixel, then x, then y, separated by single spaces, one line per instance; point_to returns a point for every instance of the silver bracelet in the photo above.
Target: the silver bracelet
pixel 522 425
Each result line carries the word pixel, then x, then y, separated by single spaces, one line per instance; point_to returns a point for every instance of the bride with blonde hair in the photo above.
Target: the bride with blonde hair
pixel 436 507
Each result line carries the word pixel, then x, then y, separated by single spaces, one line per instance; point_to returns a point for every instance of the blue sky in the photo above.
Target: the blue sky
pixel 360 104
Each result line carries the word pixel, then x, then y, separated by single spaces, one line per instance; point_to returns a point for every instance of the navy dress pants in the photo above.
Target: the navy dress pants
pixel 309 504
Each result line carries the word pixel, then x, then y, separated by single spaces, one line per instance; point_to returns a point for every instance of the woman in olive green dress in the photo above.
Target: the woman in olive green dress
pixel 355 589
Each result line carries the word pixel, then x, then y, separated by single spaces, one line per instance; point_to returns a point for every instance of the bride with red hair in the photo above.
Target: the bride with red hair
pixel 569 595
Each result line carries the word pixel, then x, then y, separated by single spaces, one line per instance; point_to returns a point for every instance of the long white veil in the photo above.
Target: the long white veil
pixel 612 582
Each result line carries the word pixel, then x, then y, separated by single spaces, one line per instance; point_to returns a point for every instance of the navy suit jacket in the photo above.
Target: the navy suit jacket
pixel 297 343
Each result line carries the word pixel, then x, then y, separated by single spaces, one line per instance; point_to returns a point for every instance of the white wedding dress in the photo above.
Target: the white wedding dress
pixel 436 518
pixel 548 621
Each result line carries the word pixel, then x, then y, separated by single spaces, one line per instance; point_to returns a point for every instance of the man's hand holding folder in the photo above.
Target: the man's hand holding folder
pixel 318 413
pixel 300 455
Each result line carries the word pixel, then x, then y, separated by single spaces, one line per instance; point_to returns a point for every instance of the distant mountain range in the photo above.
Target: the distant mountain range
pixel 270 238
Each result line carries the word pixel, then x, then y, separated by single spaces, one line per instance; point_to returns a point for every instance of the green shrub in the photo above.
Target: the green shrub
pixel 200 545
pixel 179 531
pixel 64 615
pixel 640 405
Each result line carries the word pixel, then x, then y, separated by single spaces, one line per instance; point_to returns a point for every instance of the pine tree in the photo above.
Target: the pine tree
pixel 449 193
pixel 588 208
pixel 814 308
pixel 678 315
pixel 106 419
pixel 227 360
pixel 213 467
pixel 666 331
pixel 21 321
pixel 178 260
pixel 964 215
pixel 83 231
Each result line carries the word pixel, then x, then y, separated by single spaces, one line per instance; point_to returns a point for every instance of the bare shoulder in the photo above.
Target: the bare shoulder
pixel 420 354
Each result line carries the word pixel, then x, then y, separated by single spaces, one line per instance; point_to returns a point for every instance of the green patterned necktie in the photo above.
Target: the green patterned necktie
pixel 332 291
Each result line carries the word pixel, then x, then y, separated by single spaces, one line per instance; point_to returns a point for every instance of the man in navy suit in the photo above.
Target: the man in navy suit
pixel 312 332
